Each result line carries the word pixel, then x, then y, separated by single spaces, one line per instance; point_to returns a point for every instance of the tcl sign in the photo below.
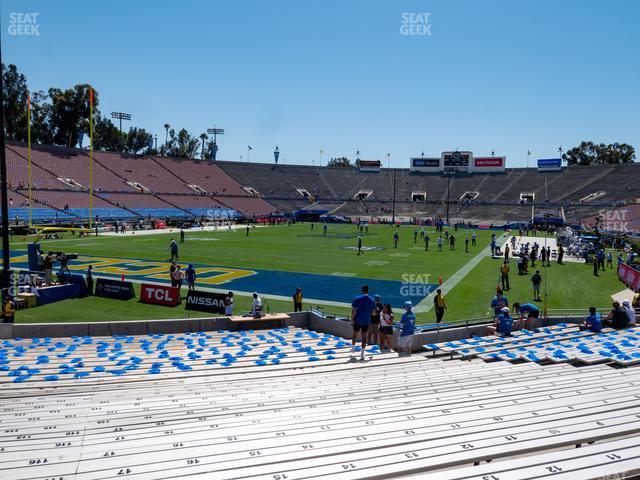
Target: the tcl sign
pixel 160 295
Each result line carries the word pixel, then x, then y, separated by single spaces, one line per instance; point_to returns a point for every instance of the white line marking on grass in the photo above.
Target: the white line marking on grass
pixel 426 305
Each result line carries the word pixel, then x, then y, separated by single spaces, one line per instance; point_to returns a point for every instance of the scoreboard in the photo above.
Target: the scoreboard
pixel 458 161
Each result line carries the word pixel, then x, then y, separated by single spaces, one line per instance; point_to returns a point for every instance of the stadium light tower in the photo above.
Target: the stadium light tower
pixel 214 148
pixel 121 116
pixel 5 278
pixel 276 154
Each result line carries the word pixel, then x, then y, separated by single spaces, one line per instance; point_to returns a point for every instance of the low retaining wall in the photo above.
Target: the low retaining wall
pixel 344 329
pixel 134 327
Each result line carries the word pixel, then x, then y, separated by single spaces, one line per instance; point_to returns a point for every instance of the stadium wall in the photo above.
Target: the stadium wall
pixel 309 320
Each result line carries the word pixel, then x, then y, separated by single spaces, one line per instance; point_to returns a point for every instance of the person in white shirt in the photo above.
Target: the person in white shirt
pixel 631 313
pixel 256 309
pixel 386 328
pixel 228 304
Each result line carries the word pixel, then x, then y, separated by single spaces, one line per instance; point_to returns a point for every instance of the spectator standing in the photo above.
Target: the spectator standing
pixel 173 249
pixel 297 300
pixel 256 306
pixel 386 327
pixel 172 269
pixel 48 269
pixel 178 276
pixel 536 281
pixel 498 303
pixel 408 326
pixel 372 333
pixel 90 280
pixel 228 304
pixel 190 275
pixel 361 310
pixel 396 236
pixel 181 235
pixel 609 259
pixel 473 238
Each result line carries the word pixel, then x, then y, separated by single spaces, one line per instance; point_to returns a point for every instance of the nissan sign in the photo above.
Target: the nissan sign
pixel 160 295
pixel 205 301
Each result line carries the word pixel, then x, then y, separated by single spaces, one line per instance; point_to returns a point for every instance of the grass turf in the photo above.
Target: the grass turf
pixel 297 248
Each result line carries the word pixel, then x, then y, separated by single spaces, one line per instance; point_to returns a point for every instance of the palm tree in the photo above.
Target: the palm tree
pixel 203 137
pixel 166 135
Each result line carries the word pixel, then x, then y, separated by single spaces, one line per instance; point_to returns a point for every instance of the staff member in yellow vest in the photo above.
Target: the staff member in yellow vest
pixel 8 311
pixel 440 305
pixel 297 300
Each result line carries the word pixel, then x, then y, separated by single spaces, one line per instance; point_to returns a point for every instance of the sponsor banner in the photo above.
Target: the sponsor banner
pixel 205 301
pixel 629 276
pixel 489 164
pixel 425 164
pixel 549 164
pixel 160 295
pixel 481 162
pixel 116 289
pixel 370 165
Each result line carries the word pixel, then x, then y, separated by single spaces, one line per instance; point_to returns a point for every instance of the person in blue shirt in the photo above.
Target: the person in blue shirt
pixel 362 308
pixel 190 274
pixel 408 326
pixel 502 325
pixel 528 314
pixel 498 303
pixel 395 239
pixel 593 322
pixel 173 249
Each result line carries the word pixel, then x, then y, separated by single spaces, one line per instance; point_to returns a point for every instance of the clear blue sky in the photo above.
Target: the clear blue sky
pixel 338 74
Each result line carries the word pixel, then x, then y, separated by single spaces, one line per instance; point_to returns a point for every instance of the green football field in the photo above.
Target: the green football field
pixel 282 253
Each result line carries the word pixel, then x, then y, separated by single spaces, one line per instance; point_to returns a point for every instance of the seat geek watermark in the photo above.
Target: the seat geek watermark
pixel 415 24
pixel 614 220
pixel 415 285
pixel 24 24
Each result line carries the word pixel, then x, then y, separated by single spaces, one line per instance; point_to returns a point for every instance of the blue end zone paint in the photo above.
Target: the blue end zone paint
pixel 322 287
pixel 332 288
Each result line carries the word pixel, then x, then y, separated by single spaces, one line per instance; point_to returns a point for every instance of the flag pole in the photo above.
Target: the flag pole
pixel 29 175
pixel 90 157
